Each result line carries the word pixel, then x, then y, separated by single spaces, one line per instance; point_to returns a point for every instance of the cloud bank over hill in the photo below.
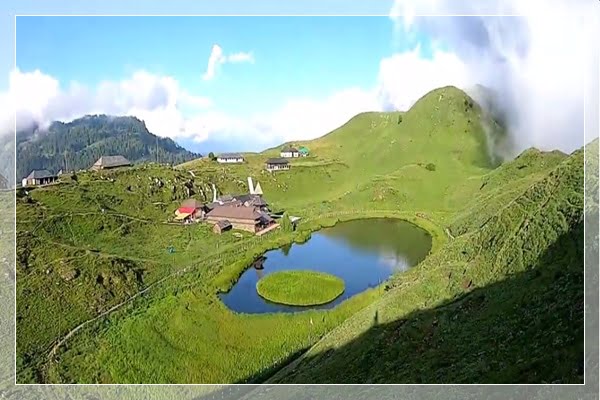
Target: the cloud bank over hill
pixel 534 63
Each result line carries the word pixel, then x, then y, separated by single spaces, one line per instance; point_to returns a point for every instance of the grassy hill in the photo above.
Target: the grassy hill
pixel 78 144
pixel 487 307
pixel 375 161
pixel 90 244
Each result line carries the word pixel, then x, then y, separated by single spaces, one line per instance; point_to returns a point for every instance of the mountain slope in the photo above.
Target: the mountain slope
pixel 486 308
pixel 379 160
pixel 78 144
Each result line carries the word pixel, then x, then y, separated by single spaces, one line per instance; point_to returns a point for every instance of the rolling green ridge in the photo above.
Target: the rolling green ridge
pixel 487 307
pixel 497 300
pixel 78 144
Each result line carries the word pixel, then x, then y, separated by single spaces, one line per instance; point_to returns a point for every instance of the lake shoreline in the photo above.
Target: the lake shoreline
pixel 303 238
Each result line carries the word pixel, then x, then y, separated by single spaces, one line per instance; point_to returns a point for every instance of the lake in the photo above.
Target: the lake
pixel 364 253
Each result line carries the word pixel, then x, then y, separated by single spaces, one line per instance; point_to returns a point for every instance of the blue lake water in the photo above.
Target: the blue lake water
pixel 364 253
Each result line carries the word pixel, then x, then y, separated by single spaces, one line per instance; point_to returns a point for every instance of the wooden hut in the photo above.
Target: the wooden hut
pixel 249 219
pixel 39 177
pixel 190 209
pixel 222 226
pixel 110 162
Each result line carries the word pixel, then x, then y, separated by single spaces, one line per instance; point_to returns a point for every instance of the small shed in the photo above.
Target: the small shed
pixel 222 226
pixel 109 162
pixel 190 209
pixel 303 151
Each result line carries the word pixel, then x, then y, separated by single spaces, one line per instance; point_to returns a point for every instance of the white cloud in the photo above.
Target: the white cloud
pixel 38 98
pixel 28 97
pixel 534 62
pixel 160 102
pixel 217 58
pixel 240 57
pixel 296 119
pixel 405 77
pixel 535 66
pixel 311 118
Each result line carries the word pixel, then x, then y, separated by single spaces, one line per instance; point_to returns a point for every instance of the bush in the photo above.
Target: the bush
pixel 211 156
pixel 430 167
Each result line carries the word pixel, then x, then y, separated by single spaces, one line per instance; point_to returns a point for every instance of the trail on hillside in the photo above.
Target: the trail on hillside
pixel 73 331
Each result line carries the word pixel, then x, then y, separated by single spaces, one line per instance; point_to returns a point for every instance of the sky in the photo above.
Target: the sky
pixel 199 79
pixel 248 83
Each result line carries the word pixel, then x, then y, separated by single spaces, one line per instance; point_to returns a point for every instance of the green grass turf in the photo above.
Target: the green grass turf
pixel 300 288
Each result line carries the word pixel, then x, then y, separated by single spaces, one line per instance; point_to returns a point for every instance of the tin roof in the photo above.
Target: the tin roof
pixel 230 155
pixel 112 161
pixel 248 213
pixel 277 161
pixel 40 174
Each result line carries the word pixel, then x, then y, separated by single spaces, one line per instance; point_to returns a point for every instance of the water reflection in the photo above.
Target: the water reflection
pixel 364 253
pixel 396 262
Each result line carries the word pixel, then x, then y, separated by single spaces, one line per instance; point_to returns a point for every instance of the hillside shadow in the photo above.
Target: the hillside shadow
pixel 527 328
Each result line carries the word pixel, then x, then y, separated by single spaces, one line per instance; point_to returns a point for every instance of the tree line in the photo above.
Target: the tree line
pixel 78 144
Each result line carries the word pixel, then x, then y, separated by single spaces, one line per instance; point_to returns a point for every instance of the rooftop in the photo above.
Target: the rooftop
pixel 252 199
pixel 277 161
pixel 239 199
pixel 230 155
pixel 112 161
pixel 191 203
pixel 248 213
pixel 40 174
pixel 223 224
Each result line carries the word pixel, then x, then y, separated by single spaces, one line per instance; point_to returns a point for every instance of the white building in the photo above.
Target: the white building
pixel 230 158
pixel 289 152
pixel 277 164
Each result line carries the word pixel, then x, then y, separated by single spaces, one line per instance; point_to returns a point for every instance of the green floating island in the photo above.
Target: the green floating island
pixel 300 287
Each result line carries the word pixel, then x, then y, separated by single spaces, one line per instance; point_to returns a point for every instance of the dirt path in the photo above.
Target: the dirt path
pixel 99 253
pixel 70 214
pixel 73 331
pixel 55 348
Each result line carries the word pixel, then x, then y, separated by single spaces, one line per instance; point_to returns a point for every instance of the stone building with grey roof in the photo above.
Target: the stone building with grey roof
pixel 39 177
pixel 109 162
